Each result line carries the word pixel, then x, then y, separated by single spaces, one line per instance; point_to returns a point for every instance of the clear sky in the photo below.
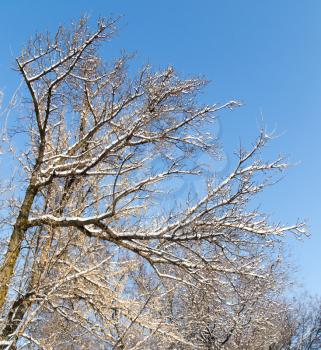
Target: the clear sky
pixel 266 53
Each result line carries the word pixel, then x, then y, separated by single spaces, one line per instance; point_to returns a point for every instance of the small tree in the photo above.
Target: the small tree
pixel 95 258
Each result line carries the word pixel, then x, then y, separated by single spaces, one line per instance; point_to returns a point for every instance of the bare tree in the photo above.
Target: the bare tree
pixel 306 318
pixel 95 255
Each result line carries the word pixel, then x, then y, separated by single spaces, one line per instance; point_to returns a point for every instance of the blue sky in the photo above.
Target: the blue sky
pixel 265 53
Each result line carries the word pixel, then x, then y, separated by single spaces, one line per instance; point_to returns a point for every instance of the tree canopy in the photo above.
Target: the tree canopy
pixel 96 253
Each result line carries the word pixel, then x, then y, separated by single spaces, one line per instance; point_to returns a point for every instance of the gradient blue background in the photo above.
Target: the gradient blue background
pixel 265 53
